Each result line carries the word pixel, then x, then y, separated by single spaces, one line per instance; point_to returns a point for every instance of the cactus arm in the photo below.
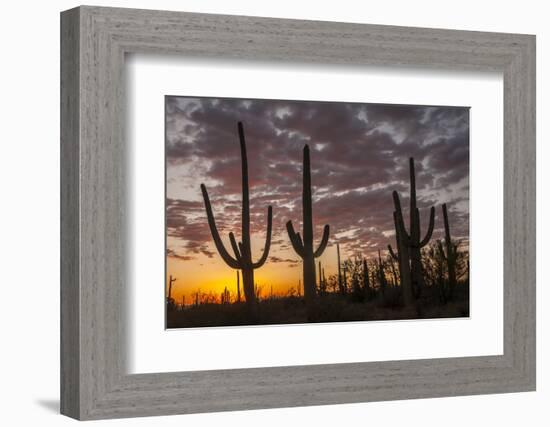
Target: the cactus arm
pixel 392 253
pixel 428 236
pixel 396 225
pixel 262 260
pixel 324 241
pixel 299 236
pixel 295 239
pixel 398 216
pixel 235 247
pixel 446 220
pixel 229 260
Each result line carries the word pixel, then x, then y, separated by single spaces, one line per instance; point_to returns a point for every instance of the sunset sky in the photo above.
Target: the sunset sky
pixel 359 155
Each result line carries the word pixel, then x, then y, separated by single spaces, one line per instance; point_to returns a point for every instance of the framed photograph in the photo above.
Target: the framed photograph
pixel 262 213
pixel 354 171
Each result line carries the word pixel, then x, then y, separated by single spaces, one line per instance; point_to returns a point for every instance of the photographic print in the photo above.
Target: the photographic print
pixel 290 212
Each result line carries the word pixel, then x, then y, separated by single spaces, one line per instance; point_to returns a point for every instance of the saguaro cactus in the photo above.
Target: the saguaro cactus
pixel 382 275
pixel 238 288
pixel 304 248
pixel 409 244
pixel 402 256
pixel 341 285
pixel 322 282
pixel 171 304
pixel 439 271
pixel 451 255
pixel 225 296
pixel 171 281
pixel 242 250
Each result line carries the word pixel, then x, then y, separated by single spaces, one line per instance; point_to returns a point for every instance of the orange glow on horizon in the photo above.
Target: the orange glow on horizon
pixel 213 275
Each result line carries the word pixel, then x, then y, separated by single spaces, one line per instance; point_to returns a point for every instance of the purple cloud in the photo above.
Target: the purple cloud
pixel 359 155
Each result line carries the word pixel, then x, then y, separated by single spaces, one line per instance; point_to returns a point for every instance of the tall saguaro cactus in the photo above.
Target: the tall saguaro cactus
pixel 409 244
pixel 304 247
pixel 451 255
pixel 402 256
pixel 242 250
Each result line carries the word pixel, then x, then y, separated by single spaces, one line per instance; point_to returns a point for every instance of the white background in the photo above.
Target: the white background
pixel 152 349
pixel 29 176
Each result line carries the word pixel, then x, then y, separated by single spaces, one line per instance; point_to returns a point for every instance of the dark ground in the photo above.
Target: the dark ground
pixel 333 308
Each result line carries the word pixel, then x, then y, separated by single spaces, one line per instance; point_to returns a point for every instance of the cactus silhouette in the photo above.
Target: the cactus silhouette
pixel 197 295
pixel 402 256
pixel 170 302
pixel 391 262
pixel 242 250
pixel 322 282
pixel 304 247
pixel 437 254
pixel 382 275
pixel 341 286
pixel 451 253
pixel 409 244
pixel 225 297
pixel 172 280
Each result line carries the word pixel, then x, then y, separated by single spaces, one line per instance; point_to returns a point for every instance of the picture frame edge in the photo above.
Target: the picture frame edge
pixel 93 382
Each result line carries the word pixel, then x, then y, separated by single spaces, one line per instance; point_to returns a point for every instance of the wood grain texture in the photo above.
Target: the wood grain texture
pixel 94 381
pixel 70 297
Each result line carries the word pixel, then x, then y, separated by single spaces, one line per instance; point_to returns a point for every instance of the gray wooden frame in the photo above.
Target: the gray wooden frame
pixel 94 41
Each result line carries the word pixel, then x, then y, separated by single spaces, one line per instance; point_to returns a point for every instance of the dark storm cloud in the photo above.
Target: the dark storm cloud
pixel 285 260
pixel 185 223
pixel 173 254
pixel 359 155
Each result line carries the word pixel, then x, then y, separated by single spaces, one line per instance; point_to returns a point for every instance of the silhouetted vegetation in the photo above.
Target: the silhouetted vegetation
pixel 420 279
pixel 243 258
pixel 374 295
pixel 409 244
pixel 304 247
